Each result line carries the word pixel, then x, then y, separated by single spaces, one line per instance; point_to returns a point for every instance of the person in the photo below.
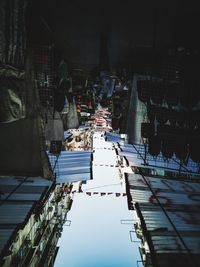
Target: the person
pixel 108 84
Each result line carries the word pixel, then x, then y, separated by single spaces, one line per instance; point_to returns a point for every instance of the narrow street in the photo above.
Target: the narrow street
pixel 97 232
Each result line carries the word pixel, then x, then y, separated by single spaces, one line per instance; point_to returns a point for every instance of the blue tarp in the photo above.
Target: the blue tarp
pixel 72 166
pixel 135 156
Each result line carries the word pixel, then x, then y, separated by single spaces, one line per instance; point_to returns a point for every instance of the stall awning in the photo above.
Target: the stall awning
pixel 72 166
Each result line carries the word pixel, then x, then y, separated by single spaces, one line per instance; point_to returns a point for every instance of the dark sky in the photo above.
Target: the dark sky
pixel 76 26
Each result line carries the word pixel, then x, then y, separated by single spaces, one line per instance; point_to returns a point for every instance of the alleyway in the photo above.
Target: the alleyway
pixel 99 233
